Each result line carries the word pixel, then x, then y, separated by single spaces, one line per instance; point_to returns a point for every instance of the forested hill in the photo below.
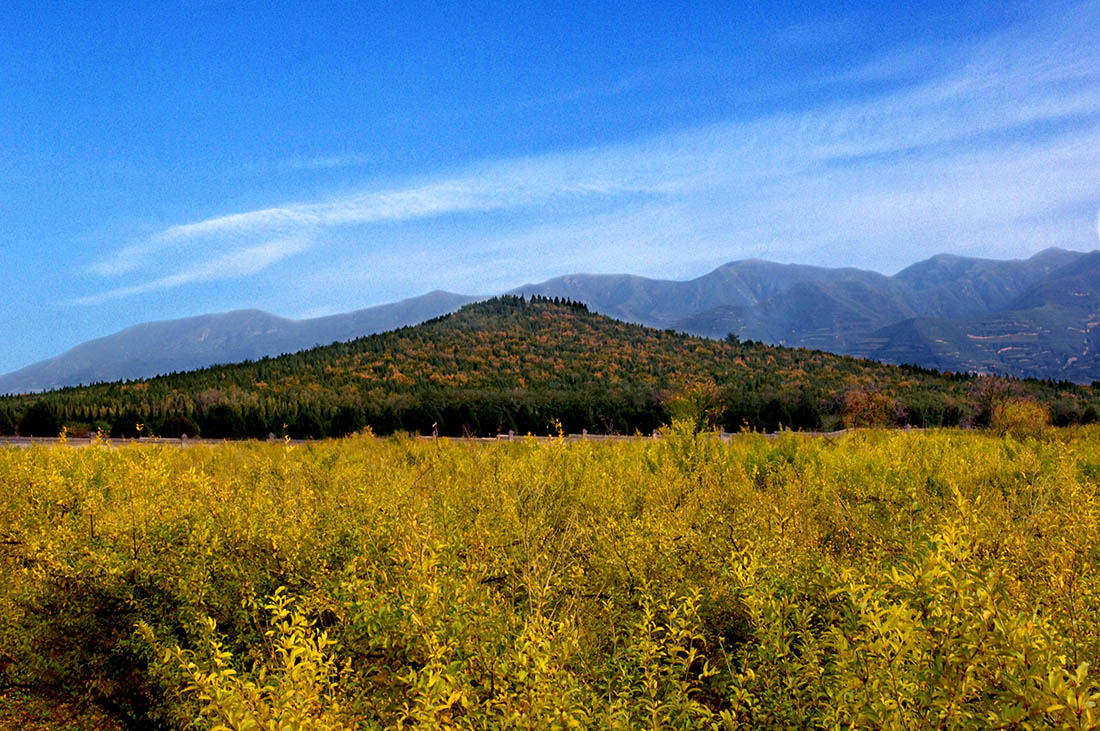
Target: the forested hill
pixel 528 366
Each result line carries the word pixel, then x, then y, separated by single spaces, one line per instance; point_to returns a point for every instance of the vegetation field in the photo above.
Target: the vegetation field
pixel 882 579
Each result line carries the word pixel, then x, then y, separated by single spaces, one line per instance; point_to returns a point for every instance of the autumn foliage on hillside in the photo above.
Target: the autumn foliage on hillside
pixel 512 364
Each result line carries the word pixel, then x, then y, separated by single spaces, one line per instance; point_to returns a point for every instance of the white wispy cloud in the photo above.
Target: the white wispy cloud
pixel 493 186
pixel 989 152
pixel 235 264
pixel 324 162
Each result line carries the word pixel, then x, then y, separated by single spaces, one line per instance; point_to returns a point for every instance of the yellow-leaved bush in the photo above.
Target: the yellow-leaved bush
pixel 294 686
pixel 1020 418
pixel 878 579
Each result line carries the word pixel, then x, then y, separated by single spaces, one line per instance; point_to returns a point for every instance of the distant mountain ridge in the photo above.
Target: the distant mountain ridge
pixel 531 365
pixel 1036 317
pixel 1050 330
pixel 155 348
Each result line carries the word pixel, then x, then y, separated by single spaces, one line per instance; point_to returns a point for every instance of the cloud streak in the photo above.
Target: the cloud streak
pixel 325 162
pixel 500 186
pixel 236 264
pixel 985 156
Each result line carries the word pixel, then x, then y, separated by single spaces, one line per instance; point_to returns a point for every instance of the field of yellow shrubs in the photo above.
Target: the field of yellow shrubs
pixel 880 579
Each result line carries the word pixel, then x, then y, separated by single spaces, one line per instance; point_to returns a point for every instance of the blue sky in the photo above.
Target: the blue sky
pixel 159 160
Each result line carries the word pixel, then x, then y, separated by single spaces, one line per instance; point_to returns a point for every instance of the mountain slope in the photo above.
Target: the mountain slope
pixel 961 307
pixel 948 312
pixel 1052 330
pixel 666 303
pixel 813 314
pixel 154 348
pixel 509 363
pixel 957 287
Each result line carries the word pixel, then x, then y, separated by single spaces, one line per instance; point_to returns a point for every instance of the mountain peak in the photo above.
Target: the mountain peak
pixel 1053 257
pixel 151 348
pixel 1050 251
pixel 795 304
pixel 939 269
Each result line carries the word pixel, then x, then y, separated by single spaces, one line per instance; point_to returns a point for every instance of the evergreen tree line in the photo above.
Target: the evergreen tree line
pixel 528 365
pixel 486 413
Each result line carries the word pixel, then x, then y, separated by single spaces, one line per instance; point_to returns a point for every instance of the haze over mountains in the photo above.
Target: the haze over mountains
pixel 155 348
pixel 1036 317
pixel 529 366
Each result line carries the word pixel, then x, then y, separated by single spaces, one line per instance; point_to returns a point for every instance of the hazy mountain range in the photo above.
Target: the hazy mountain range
pixel 1036 317
pixel 155 348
